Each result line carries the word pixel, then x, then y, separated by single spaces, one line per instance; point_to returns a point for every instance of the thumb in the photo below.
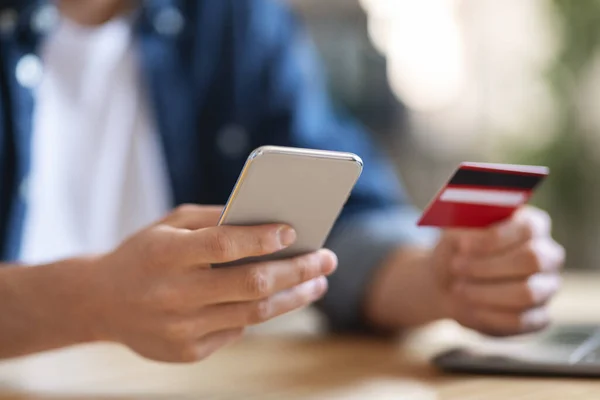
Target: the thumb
pixel 454 240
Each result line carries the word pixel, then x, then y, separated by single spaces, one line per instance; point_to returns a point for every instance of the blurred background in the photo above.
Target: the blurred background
pixel 445 81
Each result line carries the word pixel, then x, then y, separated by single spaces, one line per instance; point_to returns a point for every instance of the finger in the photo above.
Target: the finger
pixel 259 281
pixel 525 224
pixel 504 323
pixel 192 217
pixel 212 342
pixel 230 243
pixel 531 292
pixel 232 315
pixel 538 255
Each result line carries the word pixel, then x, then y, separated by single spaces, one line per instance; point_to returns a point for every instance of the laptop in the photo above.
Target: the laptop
pixel 564 350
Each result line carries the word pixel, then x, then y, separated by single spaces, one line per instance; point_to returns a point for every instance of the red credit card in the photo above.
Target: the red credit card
pixel 480 194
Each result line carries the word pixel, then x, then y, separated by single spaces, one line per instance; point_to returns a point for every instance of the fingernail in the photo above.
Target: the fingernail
pixel 535 319
pixel 542 286
pixel 287 236
pixel 319 286
pixel 329 262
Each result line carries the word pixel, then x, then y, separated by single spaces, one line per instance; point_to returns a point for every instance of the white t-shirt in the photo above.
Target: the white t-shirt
pixel 98 173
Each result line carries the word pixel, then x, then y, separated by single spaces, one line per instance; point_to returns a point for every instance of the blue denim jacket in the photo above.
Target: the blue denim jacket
pixel 224 77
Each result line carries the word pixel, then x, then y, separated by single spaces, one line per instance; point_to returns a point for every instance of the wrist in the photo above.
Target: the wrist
pixel 405 292
pixel 45 307
pixel 433 287
pixel 73 301
pixel 87 280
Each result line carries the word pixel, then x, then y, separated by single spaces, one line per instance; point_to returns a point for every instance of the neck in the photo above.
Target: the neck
pixel 93 12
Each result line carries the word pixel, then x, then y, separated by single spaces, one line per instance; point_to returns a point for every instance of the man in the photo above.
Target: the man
pixel 112 112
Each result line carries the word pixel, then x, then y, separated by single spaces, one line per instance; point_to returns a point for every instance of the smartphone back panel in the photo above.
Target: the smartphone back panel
pixel 306 189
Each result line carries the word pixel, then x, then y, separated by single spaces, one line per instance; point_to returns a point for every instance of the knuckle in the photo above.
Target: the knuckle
pixel 529 296
pixel 258 284
pixel 528 231
pixel 167 298
pixel 260 312
pixel 221 244
pixel 262 243
pixel 305 267
pixel 184 209
pixel 531 257
pixel 151 248
pixel 490 239
pixel 158 248
pixel 178 332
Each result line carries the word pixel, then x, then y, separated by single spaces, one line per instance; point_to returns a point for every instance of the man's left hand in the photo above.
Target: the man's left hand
pixel 499 280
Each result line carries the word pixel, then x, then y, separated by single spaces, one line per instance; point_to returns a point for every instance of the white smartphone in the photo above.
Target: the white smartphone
pixel 306 189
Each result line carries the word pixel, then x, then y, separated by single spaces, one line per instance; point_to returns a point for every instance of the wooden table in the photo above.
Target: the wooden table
pixel 289 359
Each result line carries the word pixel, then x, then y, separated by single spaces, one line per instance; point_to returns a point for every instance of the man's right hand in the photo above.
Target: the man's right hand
pixel 158 295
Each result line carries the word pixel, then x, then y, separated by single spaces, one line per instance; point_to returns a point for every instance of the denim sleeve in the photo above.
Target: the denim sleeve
pixel 362 243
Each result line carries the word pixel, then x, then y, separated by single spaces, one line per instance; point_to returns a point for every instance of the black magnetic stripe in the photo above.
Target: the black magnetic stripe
pixel 495 179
